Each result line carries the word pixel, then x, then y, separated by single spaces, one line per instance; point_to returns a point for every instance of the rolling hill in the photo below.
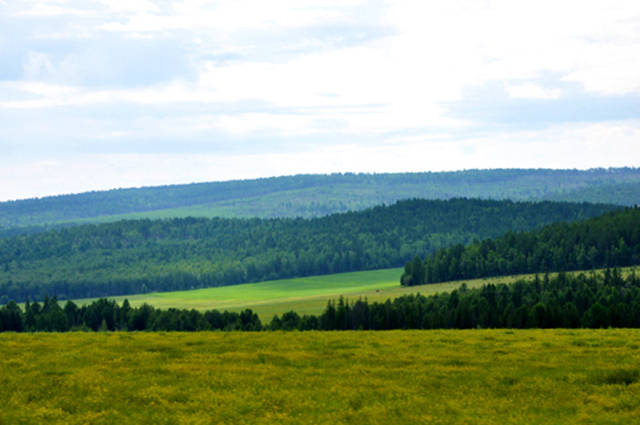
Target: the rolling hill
pixel 317 195
pixel 610 240
pixel 138 256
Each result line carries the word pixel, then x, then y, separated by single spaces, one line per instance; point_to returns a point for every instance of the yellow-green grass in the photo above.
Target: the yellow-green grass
pixel 308 295
pixel 399 377
pixel 274 294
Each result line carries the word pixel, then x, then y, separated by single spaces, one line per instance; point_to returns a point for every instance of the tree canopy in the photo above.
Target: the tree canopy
pixel 612 239
pixel 137 256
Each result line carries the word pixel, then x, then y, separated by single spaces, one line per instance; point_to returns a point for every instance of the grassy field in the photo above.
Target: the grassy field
pixel 399 377
pixel 308 295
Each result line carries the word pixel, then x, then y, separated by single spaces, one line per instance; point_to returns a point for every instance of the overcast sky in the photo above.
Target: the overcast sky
pixel 105 94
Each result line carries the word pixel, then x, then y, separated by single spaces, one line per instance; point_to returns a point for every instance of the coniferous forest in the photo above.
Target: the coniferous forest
pixel 596 300
pixel 138 256
pixel 612 239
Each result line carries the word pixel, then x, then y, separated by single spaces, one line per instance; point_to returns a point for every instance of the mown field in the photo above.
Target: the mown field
pixel 308 295
pixel 398 377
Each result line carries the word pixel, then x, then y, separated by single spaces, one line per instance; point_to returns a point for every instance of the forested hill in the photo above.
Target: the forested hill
pixel 134 256
pixel 610 240
pixel 598 300
pixel 619 194
pixel 318 195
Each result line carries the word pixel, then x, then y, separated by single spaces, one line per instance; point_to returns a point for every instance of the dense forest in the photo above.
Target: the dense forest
pixel 565 301
pixel 606 241
pixel 319 195
pixel 138 256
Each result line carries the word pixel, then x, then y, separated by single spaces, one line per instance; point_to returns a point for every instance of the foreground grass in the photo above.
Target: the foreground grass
pixel 308 295
pixel 440 377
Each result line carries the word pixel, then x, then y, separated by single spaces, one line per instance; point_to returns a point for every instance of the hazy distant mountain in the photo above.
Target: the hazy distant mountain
pixel 318 195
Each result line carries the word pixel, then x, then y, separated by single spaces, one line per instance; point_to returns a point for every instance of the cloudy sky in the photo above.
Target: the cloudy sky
pixel 105 94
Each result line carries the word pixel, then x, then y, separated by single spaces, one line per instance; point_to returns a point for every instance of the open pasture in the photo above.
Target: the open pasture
pixel 439 377
pixel 307 295
pixel 250 295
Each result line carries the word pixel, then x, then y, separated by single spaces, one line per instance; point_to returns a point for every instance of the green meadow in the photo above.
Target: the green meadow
pixel 396 377
pixel 307 295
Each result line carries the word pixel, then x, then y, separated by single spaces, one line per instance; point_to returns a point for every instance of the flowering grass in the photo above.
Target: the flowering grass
pixel 403 377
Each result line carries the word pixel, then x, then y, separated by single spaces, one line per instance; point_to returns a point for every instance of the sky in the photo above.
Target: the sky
pixel 106 94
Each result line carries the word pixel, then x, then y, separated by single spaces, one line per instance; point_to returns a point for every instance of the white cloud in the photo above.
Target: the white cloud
pixel 135 6
pixel 532 91
pixel 365 78
pixel 37 64
pixel 562 146
pixel 229 16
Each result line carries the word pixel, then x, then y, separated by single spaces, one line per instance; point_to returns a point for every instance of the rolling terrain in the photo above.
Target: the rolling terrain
pixel 609 240
pixel 309 295
pixel 317 195
pixel 139 256
pixel 569 300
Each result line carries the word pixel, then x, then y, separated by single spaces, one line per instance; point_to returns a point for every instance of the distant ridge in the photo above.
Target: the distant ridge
pixel 313 195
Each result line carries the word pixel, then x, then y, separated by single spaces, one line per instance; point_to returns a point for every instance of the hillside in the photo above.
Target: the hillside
pixel 318 195
pixel 568 300
pixel 619 194
pixel 138 256
pixel 309 295
pixel 610 240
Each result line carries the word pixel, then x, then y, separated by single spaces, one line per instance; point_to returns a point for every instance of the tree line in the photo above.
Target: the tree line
pixel 610 240
pixel 591 300
pixel 596 300
pixel 139 256
pixel 107 315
